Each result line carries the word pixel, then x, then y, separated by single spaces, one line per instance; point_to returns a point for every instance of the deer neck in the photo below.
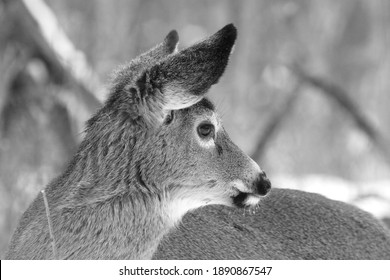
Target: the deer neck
pixel 145 225
pixel 129 226
pixel 147 218
pixel 152 216
pixel 117 195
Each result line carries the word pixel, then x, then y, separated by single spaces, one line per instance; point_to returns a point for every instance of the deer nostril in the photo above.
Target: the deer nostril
pixel 263 185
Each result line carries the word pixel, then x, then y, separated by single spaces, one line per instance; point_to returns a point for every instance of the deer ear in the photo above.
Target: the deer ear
pixel 161 51
pixel 182 79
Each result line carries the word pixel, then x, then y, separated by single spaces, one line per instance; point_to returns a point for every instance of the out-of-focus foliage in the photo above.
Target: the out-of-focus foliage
pixel 347 42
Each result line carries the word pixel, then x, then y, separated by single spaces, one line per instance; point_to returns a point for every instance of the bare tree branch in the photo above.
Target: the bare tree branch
pixel 71 59
pixel 32 26
pixel 275 122
pixel 341 97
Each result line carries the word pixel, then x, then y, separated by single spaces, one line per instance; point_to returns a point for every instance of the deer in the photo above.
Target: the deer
pixel 157 177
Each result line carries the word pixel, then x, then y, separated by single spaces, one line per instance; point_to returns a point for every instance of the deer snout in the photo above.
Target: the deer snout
pixel 262 185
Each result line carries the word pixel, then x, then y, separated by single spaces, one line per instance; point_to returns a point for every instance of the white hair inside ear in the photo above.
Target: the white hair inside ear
pixel 176 98
pixel 176 48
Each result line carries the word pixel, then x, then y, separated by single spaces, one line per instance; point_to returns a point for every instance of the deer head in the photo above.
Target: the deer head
pixel 158 135
pixel 156 150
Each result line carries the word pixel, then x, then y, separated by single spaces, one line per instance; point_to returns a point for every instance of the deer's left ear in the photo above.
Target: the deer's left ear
pixel 161 51
pixel 182 79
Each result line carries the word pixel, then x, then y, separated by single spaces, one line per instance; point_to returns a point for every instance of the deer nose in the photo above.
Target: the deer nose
pixel 262 184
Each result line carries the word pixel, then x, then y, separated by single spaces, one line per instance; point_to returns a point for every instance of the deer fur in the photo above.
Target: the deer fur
pixel 287 224
pixel 142 165
pixel 157 152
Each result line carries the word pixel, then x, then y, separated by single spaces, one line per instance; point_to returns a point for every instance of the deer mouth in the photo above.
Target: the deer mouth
pixel 244 199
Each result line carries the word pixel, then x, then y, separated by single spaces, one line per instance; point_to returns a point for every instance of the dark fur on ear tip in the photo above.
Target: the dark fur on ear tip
pixel 228 33
pixel 225 37
pixel 171 40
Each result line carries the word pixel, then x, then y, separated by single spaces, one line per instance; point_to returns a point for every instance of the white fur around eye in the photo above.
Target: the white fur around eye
pixel 209 143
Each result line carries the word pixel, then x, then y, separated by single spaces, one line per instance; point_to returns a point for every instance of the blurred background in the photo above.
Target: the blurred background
pixel 306 93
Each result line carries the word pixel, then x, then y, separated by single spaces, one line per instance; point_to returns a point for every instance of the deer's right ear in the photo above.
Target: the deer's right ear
pixel 183 78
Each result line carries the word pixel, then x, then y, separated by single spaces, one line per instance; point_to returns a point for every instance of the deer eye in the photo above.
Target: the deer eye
pixel 206 130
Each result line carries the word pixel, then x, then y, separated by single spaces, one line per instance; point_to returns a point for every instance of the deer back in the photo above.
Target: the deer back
pixel 287 224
